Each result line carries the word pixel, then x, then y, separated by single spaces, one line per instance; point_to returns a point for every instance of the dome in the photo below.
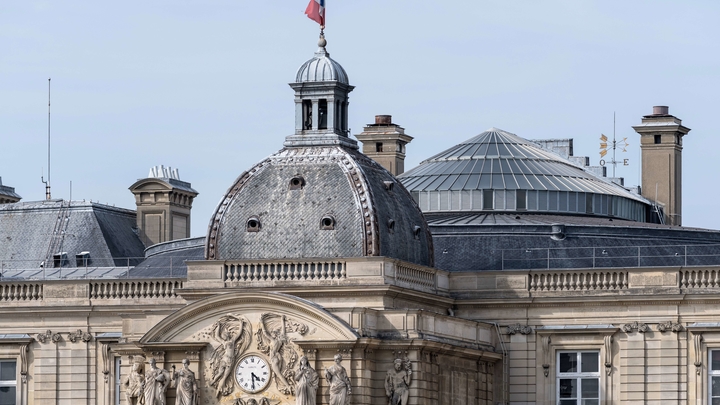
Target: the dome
pixel 318 202
pixel 321 68
pixel 497 170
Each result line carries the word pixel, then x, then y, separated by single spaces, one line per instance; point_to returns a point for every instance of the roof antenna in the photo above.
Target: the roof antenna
pixel 47 183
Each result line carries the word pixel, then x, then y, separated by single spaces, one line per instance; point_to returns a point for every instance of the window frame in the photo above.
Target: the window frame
pixel 11 383
pixel 710 374
pixel 578 375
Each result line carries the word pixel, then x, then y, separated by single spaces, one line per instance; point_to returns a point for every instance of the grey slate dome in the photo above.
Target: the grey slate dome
pixel 318 202
pixel 321 68
pixel 500 171
pixel 319 198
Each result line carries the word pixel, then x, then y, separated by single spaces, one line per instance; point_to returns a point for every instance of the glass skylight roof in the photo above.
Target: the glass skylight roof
pixel 497 159
pixel 497 170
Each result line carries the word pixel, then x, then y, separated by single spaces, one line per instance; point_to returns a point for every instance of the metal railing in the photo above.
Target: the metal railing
pixel 72 268
pixel 606 257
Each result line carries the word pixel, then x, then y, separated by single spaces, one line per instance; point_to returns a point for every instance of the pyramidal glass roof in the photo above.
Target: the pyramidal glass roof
pixel 500 160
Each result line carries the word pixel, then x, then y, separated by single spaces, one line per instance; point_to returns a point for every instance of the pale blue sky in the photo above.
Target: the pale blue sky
pixel 202 85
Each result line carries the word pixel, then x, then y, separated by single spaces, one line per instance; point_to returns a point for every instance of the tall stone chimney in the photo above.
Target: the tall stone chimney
pixel 385 143
pixel 163 206
pixel 661 136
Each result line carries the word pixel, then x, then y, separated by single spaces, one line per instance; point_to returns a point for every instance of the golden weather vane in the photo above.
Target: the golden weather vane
pixel 606 145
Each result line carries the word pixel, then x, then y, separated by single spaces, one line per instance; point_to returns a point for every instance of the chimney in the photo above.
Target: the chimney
pixel 661 137
pixel 385 143
pixel 163 206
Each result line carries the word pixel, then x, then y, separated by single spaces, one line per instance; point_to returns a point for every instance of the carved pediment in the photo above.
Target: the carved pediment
pixel 240 330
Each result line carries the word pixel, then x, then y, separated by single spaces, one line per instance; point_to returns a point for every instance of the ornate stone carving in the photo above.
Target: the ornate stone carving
pixel 23 363
pixel 638 326
pixel 135 382
pixel 273 340
pixel 186 388
pixel 340 388
pixel 233 333
pixel 48 336
pixel 79 335
pixel 306 379
pixel 156 383
pixel 608 353
pixel 545 341
pixel 517 328
pixel 670 326
pixel 252 401
pixel 397 382
pixel 105 353
pixel 697 345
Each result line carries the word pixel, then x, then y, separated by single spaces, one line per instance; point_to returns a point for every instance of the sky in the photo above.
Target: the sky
pixel 201 85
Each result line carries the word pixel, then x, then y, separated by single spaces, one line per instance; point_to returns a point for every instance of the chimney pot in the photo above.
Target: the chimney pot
pixel 660 110
pixel 383 119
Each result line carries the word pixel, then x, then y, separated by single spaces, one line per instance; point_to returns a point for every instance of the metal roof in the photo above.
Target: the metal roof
pixel 497 159
pixel 321 68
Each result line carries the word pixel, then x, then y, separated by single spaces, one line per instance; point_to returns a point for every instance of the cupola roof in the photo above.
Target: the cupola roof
pixel 321 68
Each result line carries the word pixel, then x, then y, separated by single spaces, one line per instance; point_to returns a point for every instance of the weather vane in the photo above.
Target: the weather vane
pixel 605 146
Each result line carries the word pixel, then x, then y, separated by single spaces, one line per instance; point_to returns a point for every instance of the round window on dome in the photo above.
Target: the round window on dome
pixel 253 224
pixel 391 225
pixel 297 183
pixel 327 223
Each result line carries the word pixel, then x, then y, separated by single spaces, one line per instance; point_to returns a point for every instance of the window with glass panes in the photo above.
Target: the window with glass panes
pixel 714 376
pixel 8 382
pixel 578 378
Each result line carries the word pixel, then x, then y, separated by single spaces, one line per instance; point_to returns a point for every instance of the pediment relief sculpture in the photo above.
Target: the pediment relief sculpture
pixel 248 352
pixel 273 340
pixel 233 334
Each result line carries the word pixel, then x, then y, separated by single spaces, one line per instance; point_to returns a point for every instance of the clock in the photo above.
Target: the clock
pixel 252 374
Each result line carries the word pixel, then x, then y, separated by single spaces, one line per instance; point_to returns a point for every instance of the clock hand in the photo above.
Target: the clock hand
pixel 252 380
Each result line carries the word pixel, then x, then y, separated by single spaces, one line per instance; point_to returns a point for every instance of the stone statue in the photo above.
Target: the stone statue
pixel 135 383
pixel 307 384
pixel 273 341
pixel 156 383
pixel 234 334
pixel 186 388
pixel 397 382
pixel 340 389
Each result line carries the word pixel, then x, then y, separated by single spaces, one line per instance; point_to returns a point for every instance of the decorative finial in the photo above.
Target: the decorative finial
pixel 322 42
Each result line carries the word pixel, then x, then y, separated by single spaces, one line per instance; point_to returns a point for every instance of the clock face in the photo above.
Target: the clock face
pixel 252 374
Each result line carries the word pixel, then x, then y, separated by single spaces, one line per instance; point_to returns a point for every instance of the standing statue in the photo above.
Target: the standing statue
pixel 135 383
pixel 273 341
pixel 340 389
pixel 307 384
pixel 186 389
pixel 234 334
pixel 156 383
pixel 397 383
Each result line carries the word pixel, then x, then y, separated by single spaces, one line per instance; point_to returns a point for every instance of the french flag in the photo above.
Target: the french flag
pixel 316 11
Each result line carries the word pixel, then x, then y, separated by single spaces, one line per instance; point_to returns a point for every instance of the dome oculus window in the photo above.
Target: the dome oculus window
pixel 391 225
pixel 416 232
pixel 253 224
pixel 327 223
pixel 297 183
